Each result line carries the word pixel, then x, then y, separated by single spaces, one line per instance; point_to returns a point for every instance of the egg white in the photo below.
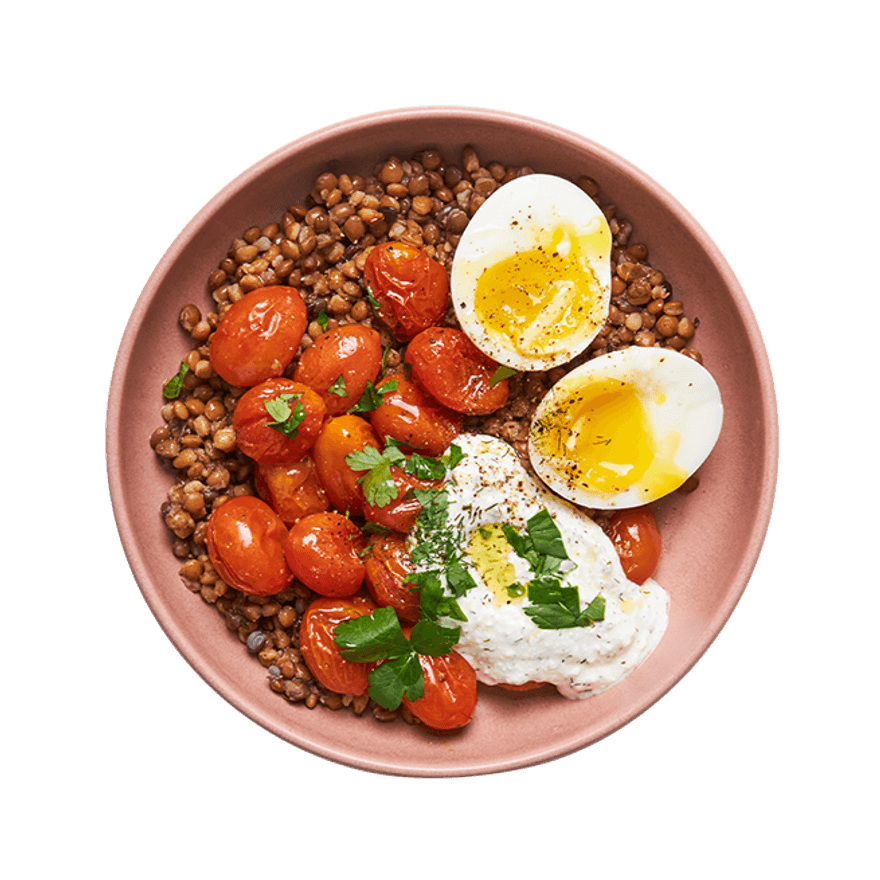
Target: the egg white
pixel 683 406
pixel 490 485
pixel 522 215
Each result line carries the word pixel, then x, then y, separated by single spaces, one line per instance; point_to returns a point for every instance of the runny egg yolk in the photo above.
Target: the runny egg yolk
pixel 600 438
pixel 534 300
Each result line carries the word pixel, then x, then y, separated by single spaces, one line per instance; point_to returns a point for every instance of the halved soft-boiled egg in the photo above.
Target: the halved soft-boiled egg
pixel 625 428
pixel 531 277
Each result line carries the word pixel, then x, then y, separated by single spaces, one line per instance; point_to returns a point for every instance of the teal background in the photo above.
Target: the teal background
pixel 121 121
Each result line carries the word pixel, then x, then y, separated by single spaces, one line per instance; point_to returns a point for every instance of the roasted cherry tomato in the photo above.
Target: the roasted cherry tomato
pixel 324 551
pixel 340 436
pixel 454 371
pixel 450 692
pixel 387 564
pixel 321 653
pixel 412 289
pixel 339 363
pixel 401 512
pixel 258 336
pixel 635 534
pixel 291 490
pixel 245 540
pixel 255 435
pixel 412 417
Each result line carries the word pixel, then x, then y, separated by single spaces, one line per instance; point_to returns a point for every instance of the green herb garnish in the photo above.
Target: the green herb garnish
pixel 174 385
pixel 323 320
pixel 286 418
pixel 338 387
pixel 501 373
pixel 371 399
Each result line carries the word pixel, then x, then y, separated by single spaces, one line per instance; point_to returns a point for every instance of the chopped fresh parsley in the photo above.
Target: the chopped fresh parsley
pixel 323 320
pixel 174 385
pixel 286 418
pixel 338 387
pixel 379 638
pixel 501 373
pixel 371 399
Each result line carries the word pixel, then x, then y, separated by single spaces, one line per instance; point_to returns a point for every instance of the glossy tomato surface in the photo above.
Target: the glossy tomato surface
pixel 324 551
pixel 413 417
pixel 412 289
pixel 450 692
pixel 344 360
pixel 245 540
pixel 258 336
pixel 253 422
pixel 636 537
pixel 401 512
pixel 455 372
pixel 321 653
pixel 291 490
pixel 387 564
pixel 339 437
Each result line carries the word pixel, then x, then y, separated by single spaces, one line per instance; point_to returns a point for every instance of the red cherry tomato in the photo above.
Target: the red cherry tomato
pixel 254 435
pixel 636 537
pixel 291 490
pixel 454 371
pixel 258 336
pixel 245 540
pixel 400 513
pixel 386 566
pixel 411 416
pixel 412 289
pixel 321 653
pixel 324 551
pixel 352 352
pixel 450 692
pixel 339 437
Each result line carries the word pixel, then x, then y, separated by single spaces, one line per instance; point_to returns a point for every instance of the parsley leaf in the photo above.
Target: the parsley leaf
pixel 501 373
pixel 545 535
pixel 379 487
pixel 371 399
pixel 286 419
pixel 338 387
pixel 174 385
pixel 323 320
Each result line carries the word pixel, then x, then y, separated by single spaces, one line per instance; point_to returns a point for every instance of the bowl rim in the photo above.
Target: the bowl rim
pixel 115 476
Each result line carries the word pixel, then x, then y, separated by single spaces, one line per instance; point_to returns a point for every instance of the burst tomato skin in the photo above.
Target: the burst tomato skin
pixel 636 537
pixel 411 416
pixel 245 541
pixel 258 336
pixel 321 653
pixel 291 490
pixel 450 692
pixel 253 434
pixel 340 436
pixel 324 551
pixel 455 372
pixel 386 566
pixel 353 352
pixel 412 289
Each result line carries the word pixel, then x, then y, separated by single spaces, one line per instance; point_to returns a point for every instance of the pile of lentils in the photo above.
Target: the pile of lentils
pixel 319 247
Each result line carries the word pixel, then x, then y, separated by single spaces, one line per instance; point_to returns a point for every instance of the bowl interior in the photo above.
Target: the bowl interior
pixel 711 538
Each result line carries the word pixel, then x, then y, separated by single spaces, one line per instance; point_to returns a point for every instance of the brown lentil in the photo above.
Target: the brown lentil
pixel 319 246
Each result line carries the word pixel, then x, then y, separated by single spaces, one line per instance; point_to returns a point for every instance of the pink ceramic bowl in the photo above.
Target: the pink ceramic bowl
pixel 711 538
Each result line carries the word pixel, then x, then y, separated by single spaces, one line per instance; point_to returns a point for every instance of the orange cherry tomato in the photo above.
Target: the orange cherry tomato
pixel 411 416
pixel 401 512
pixel 454 371
pixel 340 436
pixel 450 692
pixel 386 565
pixel 245 540
pixel 258 336
pixel 324 551
pixel 291 490
pixel 352 352
pixel 412 289
pixel 321 653
pixel 636 537
pixel 254 434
